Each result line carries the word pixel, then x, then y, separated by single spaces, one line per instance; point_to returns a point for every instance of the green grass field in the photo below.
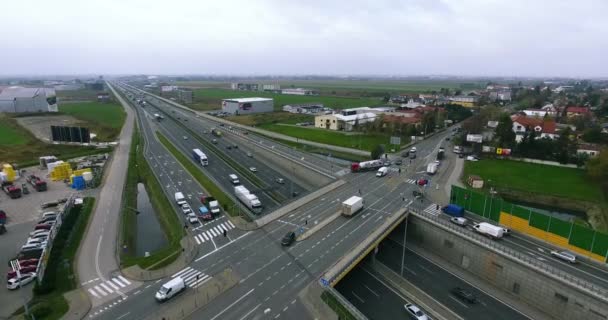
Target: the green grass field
pixel 10 133
pixel 364 142
pixel 536 178
pixel 104 119
pixel 210 99
pixel 270 118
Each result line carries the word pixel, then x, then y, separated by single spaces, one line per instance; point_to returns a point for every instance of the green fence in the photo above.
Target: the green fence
pixel 490 206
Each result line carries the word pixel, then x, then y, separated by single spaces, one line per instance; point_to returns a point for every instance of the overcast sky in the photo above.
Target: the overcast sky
pixel 382 37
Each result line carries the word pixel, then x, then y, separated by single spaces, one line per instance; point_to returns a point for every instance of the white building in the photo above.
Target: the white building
pixel 299 91
pixel 539 113
pixel 343 122
pixel 168 88
pixel 20 99
pixel 270 87
pixel 247 105
pixel 308 108
pixel 590 149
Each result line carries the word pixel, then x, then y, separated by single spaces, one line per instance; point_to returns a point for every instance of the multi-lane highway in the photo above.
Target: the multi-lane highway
pixel 271 276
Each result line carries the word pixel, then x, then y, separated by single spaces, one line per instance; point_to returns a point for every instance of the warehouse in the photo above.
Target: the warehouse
pixel 247 105
pixel 20 99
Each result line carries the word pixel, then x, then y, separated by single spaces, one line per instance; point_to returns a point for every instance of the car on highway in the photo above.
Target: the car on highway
pixel 288 239
pixel 185 138
pixel 459 221
pixel 506 231
pixel 564 255
pixel 253 169
pixel 279 180
pixel 464 295
pixel 249 155
pixel 192 218
pixel 235 146
pixel 415 312
pixel 214 141
pixel 229 147
pixel 405 154
pixel 13 283
pixel 186 208
pixel 447 138
pixel 205 131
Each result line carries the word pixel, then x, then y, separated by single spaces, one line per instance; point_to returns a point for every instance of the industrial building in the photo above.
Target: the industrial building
pixel 299 91
pixel 307 108
pixel 342 122
pixel 247 105
pixel 20 99
pixel 184 95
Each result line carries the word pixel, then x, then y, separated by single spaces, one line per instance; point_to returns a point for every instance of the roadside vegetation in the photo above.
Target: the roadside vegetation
pixel 14 138
pixel 258 119
pixel 103 119
pixel 139 172
pixel 199 176
pixel 59 276
pixel 334 304
pixel 210 99
pixel 324 152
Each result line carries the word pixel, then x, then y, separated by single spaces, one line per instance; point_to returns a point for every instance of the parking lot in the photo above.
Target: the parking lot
pixel 22 215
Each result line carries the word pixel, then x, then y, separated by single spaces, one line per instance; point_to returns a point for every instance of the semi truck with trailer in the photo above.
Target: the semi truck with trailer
pixel 37 183
pixel 366 165
pixel 351 206
pixel 489 230
pixel 248 199
pixel 200 157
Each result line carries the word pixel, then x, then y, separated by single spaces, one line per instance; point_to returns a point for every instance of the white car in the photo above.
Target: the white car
pixel 26 278
pixel 192 218
pixel 186 208
pixel 459 221
pixel 564 255
pixel 253 169
pixel 472 158
pixel 415 312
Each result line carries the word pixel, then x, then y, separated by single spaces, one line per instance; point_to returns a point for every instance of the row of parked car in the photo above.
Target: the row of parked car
pixel 31 252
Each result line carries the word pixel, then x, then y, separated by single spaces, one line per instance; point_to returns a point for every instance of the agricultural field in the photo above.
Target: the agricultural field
pixel 103 119
pixel 10 133
pixel 76 95
pixel 271 118
pixel 536 178
pixel 210 99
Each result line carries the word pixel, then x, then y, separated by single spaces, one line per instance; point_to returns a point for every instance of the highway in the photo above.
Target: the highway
pixel 271 276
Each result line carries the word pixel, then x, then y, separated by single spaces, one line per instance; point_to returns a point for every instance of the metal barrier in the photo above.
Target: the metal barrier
pixel 548 270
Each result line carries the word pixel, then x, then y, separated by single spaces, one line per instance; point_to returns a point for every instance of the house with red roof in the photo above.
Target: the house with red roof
pixel 576 111
pixel 544 128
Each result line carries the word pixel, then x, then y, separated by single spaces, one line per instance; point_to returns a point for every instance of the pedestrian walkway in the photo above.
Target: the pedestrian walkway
pixel 410 181
pixel 101 289
pixel 434 209
pixel 213 232
pixel 192 277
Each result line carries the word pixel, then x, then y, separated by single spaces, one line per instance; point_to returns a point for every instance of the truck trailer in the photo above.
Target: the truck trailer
pixel 351 206
pixel 366 166
pixel 248 199
pixel 37 183
pixel 200 157
pixel 489 230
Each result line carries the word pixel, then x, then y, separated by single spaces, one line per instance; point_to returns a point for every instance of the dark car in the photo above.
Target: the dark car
pixel 398 162
pixel 235 146
pixel 417 194
pixel 43 226
pixel 288 239
pixel 405 154
pixel 228 147
pixel 461 155
pixel 464 295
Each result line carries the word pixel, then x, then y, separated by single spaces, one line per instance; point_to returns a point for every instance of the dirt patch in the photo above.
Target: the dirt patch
pixel 40 126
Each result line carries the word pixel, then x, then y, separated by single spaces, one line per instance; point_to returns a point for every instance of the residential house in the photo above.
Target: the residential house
pixel 500 95
pixel 396 118
pixel 604 127
pixel 577 111
pixel 539 113
pixel 590 149
pixel 342 122
pixel 465 101
pixel 103 97
pixel 562 89
pixel 545 128
pixel 413 103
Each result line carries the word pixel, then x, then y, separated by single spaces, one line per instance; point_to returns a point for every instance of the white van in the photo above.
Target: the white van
pixel 382 172
pixel 170 289
pixel 234 179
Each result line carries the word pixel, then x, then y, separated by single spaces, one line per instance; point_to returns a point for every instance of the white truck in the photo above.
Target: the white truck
pixel 250 200
pixel 382 172
pixel 214 206
pixel 489 230
pixel 431 168
pixel 180 199
pixel 351 206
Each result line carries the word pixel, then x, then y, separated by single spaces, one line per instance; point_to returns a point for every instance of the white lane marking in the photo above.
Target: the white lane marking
pixel 212 232
pixel 218 230
pixel 119 283
pixel 232 225
pixel 205 236
pixel 103 293
pixel 232 304
pixel 200 281
pixel 125 280
pixel 217 249
pixel 106 288
pixel 180 272
pixel 372 291
pixel 93 293
pixel 356 296
pixel 459 302
pixel 112 285
pixel 124 315
pixel 248 313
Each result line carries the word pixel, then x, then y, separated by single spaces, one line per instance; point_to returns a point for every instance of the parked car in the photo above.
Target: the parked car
pixel 235 146
pixel 186 208
pixel 459 221
pixel 214 141
pixel 185 138
pixel 229 147
pixel 405 154
pixel 28 262
pixel 564 255
pixel 415 312
pixel 24 269
pixel 464 295
pixel 47 219
pixel 288 239
pixel 43 226
pixel 13 283
pixel 472 158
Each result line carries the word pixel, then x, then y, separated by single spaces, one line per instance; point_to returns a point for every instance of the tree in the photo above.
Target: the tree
pixel 593 135
pixel 504 132
pixel 378 151
pixel 565 148
pixel 473 124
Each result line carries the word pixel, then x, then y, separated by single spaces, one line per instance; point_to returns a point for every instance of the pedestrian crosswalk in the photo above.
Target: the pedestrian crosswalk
pixel 192 277
pixel 411 181
pixel 105 288
pixel 213 232
pixel 434 209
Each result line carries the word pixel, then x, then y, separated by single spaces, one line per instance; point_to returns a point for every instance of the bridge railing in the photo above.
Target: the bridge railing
pixel 518 256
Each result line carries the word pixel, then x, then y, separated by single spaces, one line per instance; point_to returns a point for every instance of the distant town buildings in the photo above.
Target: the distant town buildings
pixel 20 99
pixel 274 87
pixel 299 91
pixel 241 106
pixel 166 89
pixel 184 95
pixel 576 111
pixel 103 97
pixel 465 101
pixel 307 108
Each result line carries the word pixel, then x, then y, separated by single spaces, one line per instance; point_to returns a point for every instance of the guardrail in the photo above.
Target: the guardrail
pixel 515 255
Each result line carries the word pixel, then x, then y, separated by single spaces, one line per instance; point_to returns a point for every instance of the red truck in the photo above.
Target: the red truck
pixel 12 191
pixel 37 183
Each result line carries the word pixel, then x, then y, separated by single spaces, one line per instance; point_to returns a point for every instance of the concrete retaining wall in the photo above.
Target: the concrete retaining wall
pixel 518 281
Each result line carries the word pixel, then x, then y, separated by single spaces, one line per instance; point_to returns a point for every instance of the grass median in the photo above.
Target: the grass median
pixel 59 276
pixel 199 176
pixel 139 172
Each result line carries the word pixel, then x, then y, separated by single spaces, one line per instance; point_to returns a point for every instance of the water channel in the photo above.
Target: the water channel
pixel 150 236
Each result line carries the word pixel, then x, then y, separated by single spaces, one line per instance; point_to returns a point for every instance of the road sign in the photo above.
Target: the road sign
pixel 324 282
pixel 395 140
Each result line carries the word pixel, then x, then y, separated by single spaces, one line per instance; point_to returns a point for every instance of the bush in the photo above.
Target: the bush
pixel 41 309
